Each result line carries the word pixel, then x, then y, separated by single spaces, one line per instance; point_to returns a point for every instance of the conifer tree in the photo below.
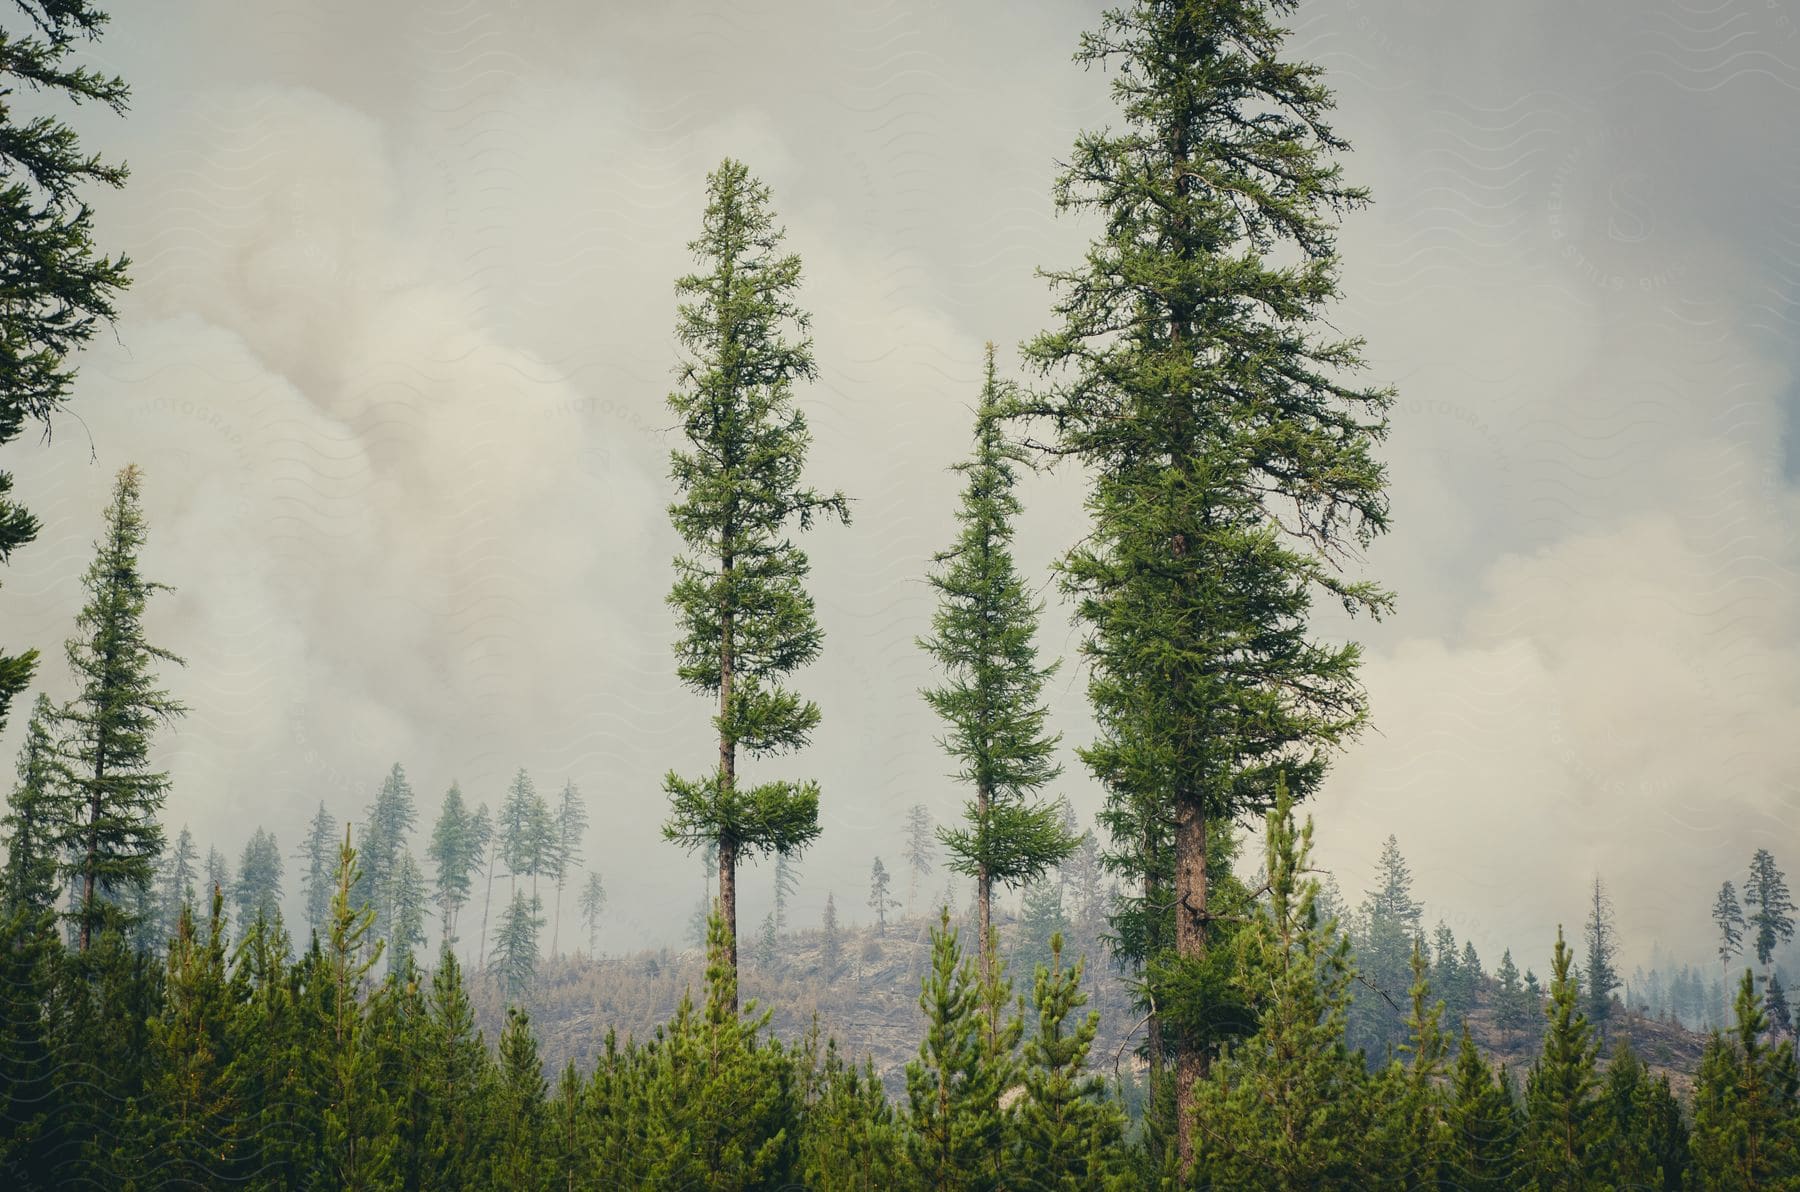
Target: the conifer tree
pixel 188 1121
pixel 456 1076
pixel 850 1136
pixel 921 851
pixel 1565 1139
pixel 257 891
pixel 1601 974
pixel 1746 1118
pixel 1287 1108
pixel 571 822
pixel 991 699
pixel 879 900
pixel 357 1143
pixel 1770 917
pixel 525 830
pixel 1232 470
pixel 38 819
pixel 593 900
pixel 1068 1131
pixel 1781 1016
pixel 385 837
pixel 519 1124
pixel 787 881
pixel 218 875
pixel 958 1128
pixel 516 945
pixel 406 925
pixel 320 855
pixel 832 945
pixel 1411 1132
pixel 746 618
pixel 175 885
pixel 458 839
pixel 1646 1138
pixel 1513 1011
pixel 1728 917
pixel 60 288
pixel 108 728
pixel 1484 1126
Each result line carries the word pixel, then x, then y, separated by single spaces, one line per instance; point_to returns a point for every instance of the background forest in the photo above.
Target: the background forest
pixel 418 991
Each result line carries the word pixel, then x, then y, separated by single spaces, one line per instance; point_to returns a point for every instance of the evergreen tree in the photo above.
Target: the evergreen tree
pixel 1781 1017
pixel 746 618
pixel 458 840
pixel 456 1076
pixel 406 924
pixel 1746 1119
pixel 1041 919
pixel 1287 1107
pixel 357 1126
pixel 38 818
pixel 1602 974
pixel 59 288
pixel 516 945
pixel 175 885
pixel 257 891
pixel 593 900
pixel 107 729
pixel 520 1159
pixel 1067 1131
pixel 786 883
pixel 1231 470
pixel 1411 1133
pixel 879 900
pixel 1484 1126
pixel 385 837
pixel 527 832
pixel 1771 910
pixel 571 822
pixel 320 855
pixel 1646 1136
pixel 851 1137
pixel 832 945
pixel 921 851
pixel 218 875
pixel 1513 1009
pixel 991 699
pixel 958 1128
pixel 1728 917
pixel 1565 1139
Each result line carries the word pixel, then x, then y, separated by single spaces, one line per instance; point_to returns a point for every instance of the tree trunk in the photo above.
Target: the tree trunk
pixel 1190 946
pixel 93 847
pixel 486 906
pixel 984 900
pixel 727 787
pixel 556 924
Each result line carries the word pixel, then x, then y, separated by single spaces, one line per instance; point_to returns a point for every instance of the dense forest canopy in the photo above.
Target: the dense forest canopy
pixel 992 836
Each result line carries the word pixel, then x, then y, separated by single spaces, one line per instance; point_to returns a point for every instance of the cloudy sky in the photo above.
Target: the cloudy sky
pixel 395 362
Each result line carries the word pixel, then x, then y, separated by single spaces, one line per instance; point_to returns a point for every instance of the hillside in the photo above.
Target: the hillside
pixel 869 1003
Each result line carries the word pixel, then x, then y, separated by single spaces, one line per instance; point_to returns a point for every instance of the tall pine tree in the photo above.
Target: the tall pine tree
pixel 746 618
pixel 991 700
pixel 108 728
pixel 1232 469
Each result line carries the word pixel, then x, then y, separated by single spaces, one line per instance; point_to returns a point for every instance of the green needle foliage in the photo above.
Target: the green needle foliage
pixel 991 699
pixel 37 818
pixel 59 288
pixel 746 617
pixel 1564 1124
pixel 108 728
pixel 1747 1106
pixel 1232 469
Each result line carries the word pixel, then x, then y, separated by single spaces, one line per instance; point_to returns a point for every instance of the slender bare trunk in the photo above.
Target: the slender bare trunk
pixel 1190 946
pixel 727 785
pixel 486 906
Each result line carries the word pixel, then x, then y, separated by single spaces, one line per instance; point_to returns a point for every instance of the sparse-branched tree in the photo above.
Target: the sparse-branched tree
pixel 175 885
pixel 1728 917
pixel 406 924
pixel 1601 975
pixel 386 835
pixel 457 843
pixel 746 618
pixel 570 823
pixel 516 945
pixel 991 697
pixel 921 851
pixel 108 728
pixel 593 901
pixel 832 944
pixel 879 900
pixel 1770 909
pixel 787 882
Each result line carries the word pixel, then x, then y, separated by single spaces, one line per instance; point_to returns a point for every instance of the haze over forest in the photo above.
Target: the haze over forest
pixel 395 360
